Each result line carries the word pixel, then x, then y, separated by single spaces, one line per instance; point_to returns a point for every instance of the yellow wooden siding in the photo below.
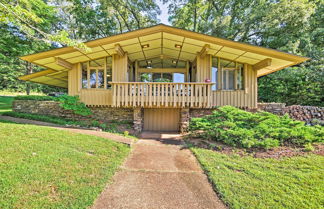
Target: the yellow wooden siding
pixel 73 85
pixel 161 119
pixel 203 68
pixel 96 97
pixel 120 66
pixel 239 98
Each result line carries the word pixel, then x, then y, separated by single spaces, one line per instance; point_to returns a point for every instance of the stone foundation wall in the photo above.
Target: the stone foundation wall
pixel 52 108
pixel 197 113
pixel 297 112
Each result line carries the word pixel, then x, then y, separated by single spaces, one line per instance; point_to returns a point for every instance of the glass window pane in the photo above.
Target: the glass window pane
pixel 101 82
pixel 84 79
pixel 224 79
pixel 178 77
pixel 167 77
pixel 157 77
pixel 109 77
pixel 92 78
pixel 240 77
pixel 231 75
pixel 214 77
pixel 146 77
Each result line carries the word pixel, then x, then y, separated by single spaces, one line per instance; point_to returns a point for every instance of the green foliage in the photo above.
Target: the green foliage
pixel 5 103
pixel 42 167
pixel 248 182
pixel 239 128
pixel 73 103
pixel 309 147
pixel 46 118
pixel 108 127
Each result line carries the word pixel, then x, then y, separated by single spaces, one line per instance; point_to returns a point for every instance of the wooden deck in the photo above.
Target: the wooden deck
pixel 166 95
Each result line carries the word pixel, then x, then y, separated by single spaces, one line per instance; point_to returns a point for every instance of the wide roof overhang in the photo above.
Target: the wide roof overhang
pixel 163 41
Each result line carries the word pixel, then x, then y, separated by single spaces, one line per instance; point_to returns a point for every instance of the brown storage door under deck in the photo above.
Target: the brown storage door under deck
pixel 161 119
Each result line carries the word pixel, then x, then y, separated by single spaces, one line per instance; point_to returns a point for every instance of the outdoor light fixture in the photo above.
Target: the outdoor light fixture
pixel 178 46
pixel 149 61
pixel 174 61
pixel 145 46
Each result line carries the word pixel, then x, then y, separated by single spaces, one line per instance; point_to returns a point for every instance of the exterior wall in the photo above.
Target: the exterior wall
pixel 203 68
pixel 52 108
pixel 74 80
pixel 246 98
pixel 120 65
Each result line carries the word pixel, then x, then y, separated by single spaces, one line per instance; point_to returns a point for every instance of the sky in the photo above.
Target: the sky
pixel 164 12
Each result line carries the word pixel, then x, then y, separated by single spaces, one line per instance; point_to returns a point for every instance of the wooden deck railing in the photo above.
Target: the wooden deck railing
pixel 149 94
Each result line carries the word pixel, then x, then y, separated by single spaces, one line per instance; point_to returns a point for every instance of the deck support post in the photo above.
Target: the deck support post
pixel 184 119
pixel 138 120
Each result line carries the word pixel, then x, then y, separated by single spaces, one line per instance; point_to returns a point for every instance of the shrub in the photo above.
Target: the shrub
pixel 73 103
pixel 239 128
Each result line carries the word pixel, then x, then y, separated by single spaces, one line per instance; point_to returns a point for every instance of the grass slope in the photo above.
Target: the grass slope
pixel 42 167
pixel 246 182
pixel 5 103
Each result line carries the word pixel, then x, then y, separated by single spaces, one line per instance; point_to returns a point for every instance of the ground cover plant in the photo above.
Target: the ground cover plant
pixel 42 167
pixel 239 128
pixel 248 182
pixel 112 127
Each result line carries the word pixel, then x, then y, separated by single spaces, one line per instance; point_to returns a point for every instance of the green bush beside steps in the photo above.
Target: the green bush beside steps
pixel 239 128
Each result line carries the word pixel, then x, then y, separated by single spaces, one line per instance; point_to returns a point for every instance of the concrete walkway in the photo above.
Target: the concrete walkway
pixel 159 173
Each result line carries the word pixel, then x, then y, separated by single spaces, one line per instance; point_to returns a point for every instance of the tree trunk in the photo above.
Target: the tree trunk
pixel 29 70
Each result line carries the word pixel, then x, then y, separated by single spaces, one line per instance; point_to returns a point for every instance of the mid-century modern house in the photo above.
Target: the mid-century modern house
pixel 160 72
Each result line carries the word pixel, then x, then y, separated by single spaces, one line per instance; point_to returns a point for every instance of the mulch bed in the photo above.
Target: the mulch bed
pixel 278 152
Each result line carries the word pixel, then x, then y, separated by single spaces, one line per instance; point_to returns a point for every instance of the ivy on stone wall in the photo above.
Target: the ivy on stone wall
pixel 66 102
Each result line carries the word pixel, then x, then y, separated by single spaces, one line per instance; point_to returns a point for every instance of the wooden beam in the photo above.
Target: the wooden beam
pixel 262 64
pixel 119 50
pixel 62 62
pixel 204 50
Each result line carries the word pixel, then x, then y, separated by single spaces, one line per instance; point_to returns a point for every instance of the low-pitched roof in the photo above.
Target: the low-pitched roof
pixel 161 40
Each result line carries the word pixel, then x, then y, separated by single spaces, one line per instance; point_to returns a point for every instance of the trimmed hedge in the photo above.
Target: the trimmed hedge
pixel 36 98
pixel 239 128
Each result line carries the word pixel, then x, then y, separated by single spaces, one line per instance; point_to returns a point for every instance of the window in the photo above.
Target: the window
pixel 109 71
pixel 95 75
pixel 84 75
pixel 178 77
pixel 93 78
pixel 240 76
pixel 101 82
pixel 146 77
pixel 214 77
pixel 228 75
pixel 228 79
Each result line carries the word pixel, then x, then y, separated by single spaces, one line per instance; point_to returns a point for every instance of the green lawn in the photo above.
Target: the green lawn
pixel 247 182
pixel 5 103
pixel 42 167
